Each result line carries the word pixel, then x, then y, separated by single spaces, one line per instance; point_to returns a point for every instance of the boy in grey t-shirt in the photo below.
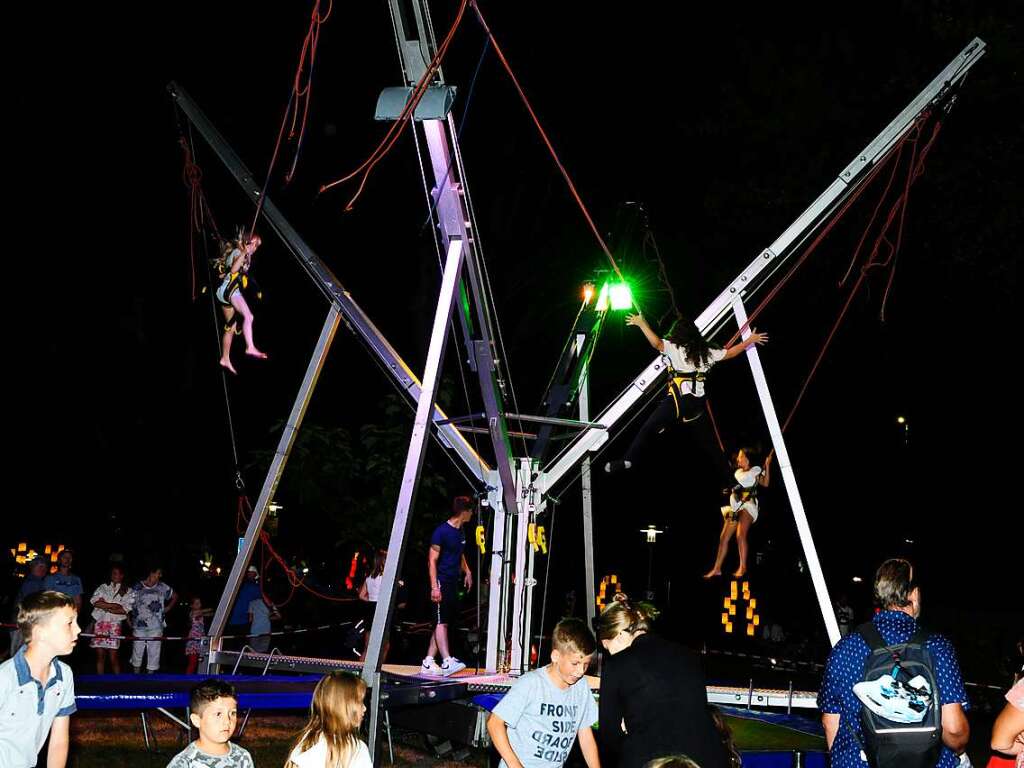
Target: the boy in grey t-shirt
pixel 214 708
pixel 536 722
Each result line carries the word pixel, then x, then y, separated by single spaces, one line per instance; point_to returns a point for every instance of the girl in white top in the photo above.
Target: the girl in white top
pixel 690 357
pixel 369 593
pixel 234 267
pixel 111 603
pixel 331 737
pixel 741 511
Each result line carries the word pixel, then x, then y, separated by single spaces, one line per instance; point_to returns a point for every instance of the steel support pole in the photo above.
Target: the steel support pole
pixel 789 479
pixel 274 473
pixel 413 463
pixel 588 502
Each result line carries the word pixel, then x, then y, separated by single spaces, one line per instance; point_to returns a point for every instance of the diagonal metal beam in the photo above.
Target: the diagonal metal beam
pixel 329 285
pixel 274 473
pixel 772 258
pixel 411 475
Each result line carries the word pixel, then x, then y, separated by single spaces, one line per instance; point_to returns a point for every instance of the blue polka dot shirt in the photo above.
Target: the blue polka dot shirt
pixel 845 667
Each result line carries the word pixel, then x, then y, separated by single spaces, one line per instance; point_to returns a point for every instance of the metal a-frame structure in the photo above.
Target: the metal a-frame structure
pixel 516 489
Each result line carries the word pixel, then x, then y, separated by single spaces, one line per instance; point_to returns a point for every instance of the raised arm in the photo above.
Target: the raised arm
pixel 753 338
pixel 239 261
pixel 638 321
pixel 764 478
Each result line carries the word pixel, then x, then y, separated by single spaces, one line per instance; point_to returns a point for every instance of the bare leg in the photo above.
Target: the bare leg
pixel 728 529
pixel 239 303
pixel 225 340
pixel 741 541
pixel 100 659
pixel 115 661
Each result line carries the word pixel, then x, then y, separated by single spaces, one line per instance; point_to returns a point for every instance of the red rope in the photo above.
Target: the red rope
pixel 399 125
pixel 714 425
pixel 269 555
pixel 199 209
pixel 898 207
pixel 812 247
pixel 192 176
pixel 547 141
pixel 300 93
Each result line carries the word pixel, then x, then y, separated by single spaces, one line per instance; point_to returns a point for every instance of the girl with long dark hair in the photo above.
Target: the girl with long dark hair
pixel 690 357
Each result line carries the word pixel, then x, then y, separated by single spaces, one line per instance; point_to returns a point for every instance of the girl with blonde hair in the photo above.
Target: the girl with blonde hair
pixel 331 737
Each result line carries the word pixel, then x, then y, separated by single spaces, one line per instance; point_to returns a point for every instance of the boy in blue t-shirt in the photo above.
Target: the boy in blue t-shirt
pixel 537 721
pixel 37 690
pixel 445 561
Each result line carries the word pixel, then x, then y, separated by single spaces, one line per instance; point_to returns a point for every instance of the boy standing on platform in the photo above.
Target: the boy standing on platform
pixel 536 723
pixel 445 561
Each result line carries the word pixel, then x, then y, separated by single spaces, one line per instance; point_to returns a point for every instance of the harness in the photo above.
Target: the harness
pixel 675 391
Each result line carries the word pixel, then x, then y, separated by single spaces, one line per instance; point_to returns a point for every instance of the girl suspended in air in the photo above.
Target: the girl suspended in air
pixel 690 357
pixel 741 511
pixel 233 269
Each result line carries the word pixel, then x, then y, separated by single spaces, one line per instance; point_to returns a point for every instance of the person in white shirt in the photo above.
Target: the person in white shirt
pixel 741 511
pixel 690 356
pixel 331 737
pixel 368 593
pixel 111 604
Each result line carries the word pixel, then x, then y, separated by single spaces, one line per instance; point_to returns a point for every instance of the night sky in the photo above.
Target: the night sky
pixel 725 122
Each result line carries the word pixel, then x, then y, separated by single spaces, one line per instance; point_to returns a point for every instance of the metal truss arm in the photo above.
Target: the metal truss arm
pixel 329 285
pixel 773 257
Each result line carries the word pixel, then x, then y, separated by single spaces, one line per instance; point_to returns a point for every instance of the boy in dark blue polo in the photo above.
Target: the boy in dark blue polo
pixel 37 690
pixel 445 562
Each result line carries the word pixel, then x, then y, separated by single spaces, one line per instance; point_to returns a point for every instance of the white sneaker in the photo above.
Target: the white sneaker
pixel 429 667
pixel 451 666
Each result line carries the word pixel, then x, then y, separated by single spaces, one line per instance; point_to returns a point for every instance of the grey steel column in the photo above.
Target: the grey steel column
pixel 328 283
pixel 413 467
pixel 259 512
pixel 588 502
pixel 772 258
pixel 789 480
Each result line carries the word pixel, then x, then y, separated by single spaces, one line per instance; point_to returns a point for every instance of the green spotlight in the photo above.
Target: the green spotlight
pixel 622 297
pixel 614 296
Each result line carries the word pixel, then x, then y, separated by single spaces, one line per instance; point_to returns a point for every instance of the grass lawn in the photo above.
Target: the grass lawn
pixel 114 740
pixel 754 734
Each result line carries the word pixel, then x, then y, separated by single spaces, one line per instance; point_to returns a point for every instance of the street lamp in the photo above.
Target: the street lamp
pixel 652 537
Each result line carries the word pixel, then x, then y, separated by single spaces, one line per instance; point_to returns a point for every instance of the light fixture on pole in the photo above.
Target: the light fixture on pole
pixel 652 538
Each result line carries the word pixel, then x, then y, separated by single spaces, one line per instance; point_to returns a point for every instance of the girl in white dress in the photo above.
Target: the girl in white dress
pixel 741 511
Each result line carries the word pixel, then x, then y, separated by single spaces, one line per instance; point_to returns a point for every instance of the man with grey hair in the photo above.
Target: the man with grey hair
pixel 898 597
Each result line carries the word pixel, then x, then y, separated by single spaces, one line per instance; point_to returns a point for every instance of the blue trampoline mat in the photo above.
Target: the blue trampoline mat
pixel 172 691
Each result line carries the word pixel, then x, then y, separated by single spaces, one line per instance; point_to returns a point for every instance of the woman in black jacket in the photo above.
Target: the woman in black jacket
pixel 653 697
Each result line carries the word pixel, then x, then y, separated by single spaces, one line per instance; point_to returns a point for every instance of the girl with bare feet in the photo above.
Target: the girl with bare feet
pixel 741 511
pixel 234 268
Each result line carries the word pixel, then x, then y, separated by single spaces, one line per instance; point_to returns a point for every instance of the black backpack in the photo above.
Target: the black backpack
pixel 889 744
